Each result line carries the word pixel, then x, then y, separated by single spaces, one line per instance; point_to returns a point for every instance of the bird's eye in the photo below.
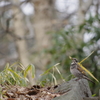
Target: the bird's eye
pixel 75 60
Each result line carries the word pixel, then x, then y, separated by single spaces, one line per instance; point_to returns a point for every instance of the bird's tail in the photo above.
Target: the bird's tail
pixel 85 77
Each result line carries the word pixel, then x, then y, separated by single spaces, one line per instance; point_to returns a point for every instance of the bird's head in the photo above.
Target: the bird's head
pixel 73 59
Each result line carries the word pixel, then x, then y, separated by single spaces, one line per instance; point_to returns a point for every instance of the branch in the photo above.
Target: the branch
pixel 12 4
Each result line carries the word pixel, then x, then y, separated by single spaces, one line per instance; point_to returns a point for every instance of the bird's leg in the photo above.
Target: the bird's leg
pixel 78 78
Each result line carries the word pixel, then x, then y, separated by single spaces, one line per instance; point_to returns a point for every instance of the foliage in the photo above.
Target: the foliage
pixel 52 71
pixel 15 74
pixel 12 76
pixel 91 26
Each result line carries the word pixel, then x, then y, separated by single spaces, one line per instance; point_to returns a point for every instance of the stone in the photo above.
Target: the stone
pixel 74 89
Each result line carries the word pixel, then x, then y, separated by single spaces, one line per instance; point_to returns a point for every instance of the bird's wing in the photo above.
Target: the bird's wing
pixel 81 70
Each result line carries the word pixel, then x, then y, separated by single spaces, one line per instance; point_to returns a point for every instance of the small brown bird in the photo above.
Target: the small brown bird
pixel 77 71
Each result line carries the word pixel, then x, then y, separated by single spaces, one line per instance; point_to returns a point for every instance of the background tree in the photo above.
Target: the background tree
pixel 42 24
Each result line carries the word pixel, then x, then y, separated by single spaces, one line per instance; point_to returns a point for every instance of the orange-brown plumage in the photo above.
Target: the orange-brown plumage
pixel 77 71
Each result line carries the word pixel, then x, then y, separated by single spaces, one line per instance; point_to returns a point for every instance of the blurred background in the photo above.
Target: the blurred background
pixel 46 32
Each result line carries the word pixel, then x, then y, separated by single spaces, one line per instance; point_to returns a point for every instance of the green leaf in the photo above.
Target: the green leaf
pixel 14 73
pixel 81 27
pixel 60 74
pixel 93 95
pixel 26 70
pixel 87 57
pixel 14 64
pixel 47 71
pixel 26 79
pixel 7 66
pixel 21 66
pixel 55 80
pixel 12 76
pixel 31 68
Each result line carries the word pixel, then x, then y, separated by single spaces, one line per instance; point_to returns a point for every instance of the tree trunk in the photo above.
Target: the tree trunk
pixel 42 24
pixel 19 31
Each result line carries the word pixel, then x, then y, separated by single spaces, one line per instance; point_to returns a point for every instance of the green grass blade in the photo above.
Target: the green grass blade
pixel 47 71
pixel 7 66
pixel 33 70
pixel 17 75
pixel 55 80
pixel 26 70
pixel 88 72
pixel 12 76
pixel 87 57
pixel 14 64
pixel 26 79
pixel 21 66
pixel 60 74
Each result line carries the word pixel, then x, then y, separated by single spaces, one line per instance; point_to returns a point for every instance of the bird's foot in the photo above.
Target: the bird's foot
pixel 77 79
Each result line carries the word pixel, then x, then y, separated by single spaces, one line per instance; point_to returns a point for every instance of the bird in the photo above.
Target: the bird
pixel 77 71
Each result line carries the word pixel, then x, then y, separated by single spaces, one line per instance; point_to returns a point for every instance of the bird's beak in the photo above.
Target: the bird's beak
pixel 70 58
